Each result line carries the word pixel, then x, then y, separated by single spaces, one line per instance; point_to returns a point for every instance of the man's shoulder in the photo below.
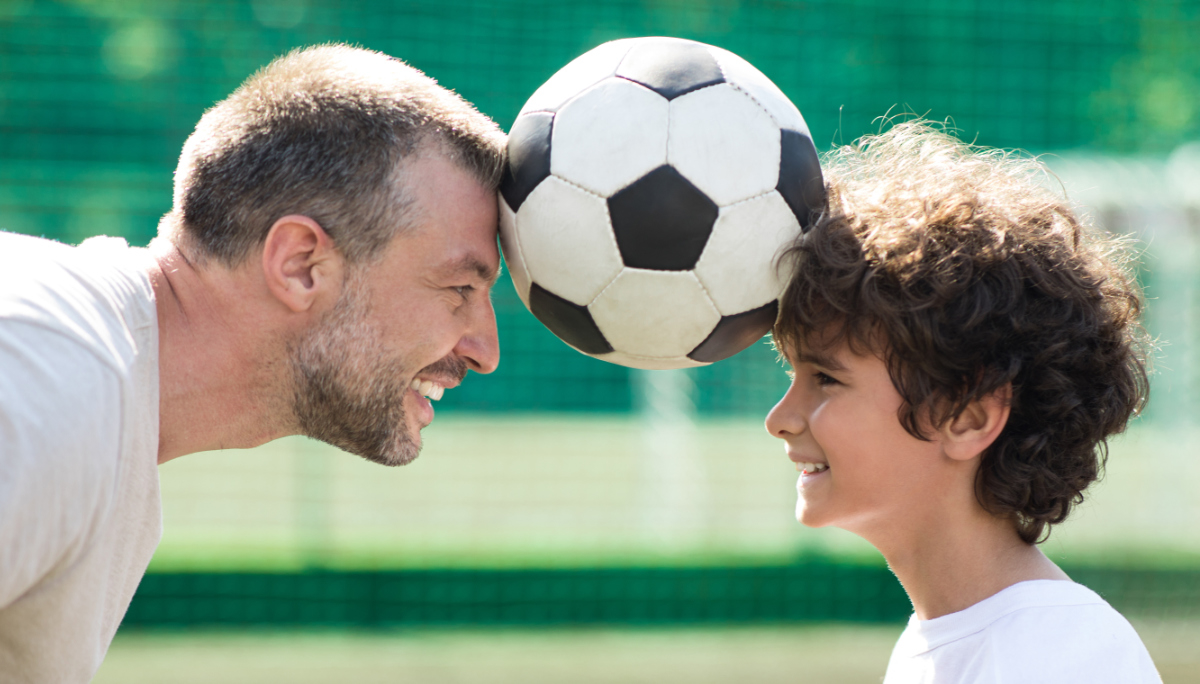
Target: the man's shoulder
pixel 96 294
pixel 78 353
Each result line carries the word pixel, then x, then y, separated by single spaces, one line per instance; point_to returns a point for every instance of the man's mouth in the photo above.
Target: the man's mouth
pixel 811 468
pixel 428 388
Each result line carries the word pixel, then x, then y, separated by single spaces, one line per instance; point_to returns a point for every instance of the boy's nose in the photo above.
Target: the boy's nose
pixel 785 420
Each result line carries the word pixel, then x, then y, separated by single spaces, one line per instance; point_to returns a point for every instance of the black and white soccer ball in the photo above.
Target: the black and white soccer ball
pixel 651 185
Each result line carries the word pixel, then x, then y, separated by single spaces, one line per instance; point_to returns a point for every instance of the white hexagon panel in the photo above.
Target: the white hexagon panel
pixel 514 260
pixel 567 242
pixel 648 189
pixel 740 266
pixel 729 164
pixel 609 136
pixel 654 314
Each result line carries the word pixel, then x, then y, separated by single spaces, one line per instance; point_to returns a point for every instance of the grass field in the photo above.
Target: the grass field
pixel 544 491
pixel 824 654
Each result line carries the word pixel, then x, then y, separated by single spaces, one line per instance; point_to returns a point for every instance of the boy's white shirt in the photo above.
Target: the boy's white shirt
pixel 1051 631
pixel 80 515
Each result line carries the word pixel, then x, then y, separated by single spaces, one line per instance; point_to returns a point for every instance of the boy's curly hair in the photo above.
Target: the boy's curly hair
pixel 966 274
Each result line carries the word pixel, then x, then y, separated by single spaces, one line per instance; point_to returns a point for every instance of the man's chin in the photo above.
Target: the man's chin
pixel 398 451
pixel 402 453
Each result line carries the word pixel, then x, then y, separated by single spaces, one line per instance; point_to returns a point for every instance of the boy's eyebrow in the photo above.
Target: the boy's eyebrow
pixel 819 359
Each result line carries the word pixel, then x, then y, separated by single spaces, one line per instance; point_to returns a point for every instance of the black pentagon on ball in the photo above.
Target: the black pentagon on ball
pixel 736 332
pixel 661 221
pixel 527 162
pixel 800 180
pixel 671 67
pixel 572 323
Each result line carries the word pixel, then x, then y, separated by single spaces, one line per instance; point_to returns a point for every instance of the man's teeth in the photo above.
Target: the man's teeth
pixel 430 389
pixel 812 468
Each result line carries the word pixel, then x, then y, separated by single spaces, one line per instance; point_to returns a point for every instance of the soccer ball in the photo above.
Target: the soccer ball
pixel 650 187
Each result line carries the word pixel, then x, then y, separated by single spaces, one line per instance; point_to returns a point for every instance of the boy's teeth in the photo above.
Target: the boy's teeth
pixel 813 468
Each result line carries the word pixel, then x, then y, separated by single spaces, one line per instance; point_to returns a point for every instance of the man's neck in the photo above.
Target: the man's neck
pixel 963 559
pixel 221 367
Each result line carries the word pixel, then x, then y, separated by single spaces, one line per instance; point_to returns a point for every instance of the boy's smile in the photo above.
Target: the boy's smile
pixel 860 470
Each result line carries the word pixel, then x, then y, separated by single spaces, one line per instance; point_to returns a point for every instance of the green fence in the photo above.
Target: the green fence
pixel 97 96
pixel 809 590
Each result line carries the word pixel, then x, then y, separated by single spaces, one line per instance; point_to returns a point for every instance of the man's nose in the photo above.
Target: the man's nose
pixel 480 345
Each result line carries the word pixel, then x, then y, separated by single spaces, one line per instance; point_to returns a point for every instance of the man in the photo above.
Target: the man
pixel 324 271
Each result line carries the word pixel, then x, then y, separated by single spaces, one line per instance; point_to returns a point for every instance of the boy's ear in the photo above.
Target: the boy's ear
pixel 971 432
pixel 300 263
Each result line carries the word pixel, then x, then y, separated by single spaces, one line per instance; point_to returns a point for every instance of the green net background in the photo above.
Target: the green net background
pixel 97 96
pixel 540 465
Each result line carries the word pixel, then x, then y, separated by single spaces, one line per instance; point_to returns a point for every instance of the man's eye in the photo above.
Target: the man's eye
pixel 464 290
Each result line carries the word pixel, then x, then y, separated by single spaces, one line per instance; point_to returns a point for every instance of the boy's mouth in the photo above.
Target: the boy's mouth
pixel 811 468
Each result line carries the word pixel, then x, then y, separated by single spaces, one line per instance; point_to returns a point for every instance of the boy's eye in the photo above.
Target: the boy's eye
pixel 823 379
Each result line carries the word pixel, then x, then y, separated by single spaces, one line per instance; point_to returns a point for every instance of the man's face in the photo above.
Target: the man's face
pixel 861 471
pixel 407 326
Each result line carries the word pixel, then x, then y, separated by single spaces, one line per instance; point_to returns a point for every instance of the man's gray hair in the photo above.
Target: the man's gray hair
pixel 321 132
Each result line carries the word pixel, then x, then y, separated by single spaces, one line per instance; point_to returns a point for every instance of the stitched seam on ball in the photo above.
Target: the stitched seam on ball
pixel 737 86
pixel 612 239
pixel 712 302
pixel 740 89
pixel 748 199
pixel 577 186
pixel 610 283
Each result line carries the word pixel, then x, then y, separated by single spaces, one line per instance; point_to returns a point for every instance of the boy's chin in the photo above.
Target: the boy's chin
pixel 807 517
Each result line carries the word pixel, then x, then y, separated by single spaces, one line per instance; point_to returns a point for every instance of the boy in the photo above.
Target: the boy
pixel 962 347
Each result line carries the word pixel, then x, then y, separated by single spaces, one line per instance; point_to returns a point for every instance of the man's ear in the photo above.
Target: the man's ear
pixel 300 263
pixel 971 432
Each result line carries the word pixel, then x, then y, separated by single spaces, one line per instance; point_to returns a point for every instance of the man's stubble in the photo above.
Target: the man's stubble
pixel 348 389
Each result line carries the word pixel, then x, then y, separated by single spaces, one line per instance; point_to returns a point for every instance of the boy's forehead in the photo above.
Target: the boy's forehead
pixel 833 346
pixel 829 356
pixel 819 348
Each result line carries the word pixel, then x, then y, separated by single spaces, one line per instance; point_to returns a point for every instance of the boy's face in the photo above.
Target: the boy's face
pixel 870 475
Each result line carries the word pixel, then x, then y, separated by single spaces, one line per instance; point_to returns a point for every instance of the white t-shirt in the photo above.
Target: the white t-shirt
pixel 79 502
pixel 1047 631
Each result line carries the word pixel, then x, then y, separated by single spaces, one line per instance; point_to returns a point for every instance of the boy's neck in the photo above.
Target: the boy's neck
pixel 953 566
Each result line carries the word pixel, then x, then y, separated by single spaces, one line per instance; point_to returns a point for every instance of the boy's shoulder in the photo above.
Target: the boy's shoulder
pixel 1042 630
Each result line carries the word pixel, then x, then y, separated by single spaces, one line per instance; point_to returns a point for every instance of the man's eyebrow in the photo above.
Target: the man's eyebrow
pixel 823 360
pixel 470 264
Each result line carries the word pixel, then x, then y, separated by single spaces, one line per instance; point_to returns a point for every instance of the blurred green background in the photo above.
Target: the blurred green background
pixel 558 493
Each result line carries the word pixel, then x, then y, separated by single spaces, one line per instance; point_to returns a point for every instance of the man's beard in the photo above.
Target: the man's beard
pixel 348 390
